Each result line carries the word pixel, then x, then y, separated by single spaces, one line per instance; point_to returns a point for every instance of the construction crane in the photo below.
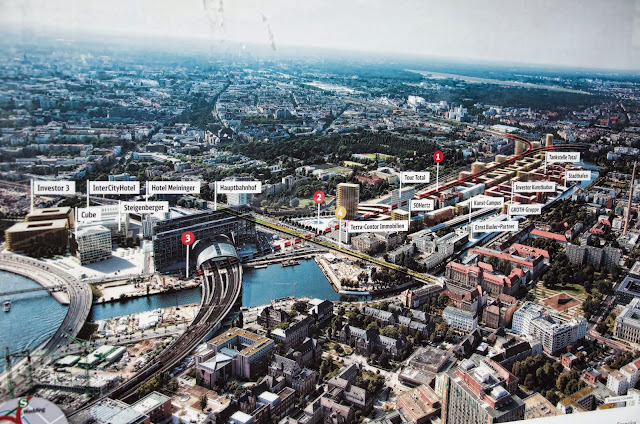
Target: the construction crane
pixel 289 284
pixel 22 354
pixel 85 353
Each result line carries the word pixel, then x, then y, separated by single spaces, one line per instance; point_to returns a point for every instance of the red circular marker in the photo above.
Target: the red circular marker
pixel 438 156
pixel 188 238
pixel 318 196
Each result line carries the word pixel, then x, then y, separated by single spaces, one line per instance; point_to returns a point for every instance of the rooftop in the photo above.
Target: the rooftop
pixel 43 212
pixel 536 406
pixel 150 402
pixel 54 224
pixel 576 396
pixel 109 411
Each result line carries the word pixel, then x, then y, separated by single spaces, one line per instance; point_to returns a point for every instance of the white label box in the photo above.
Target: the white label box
pixel 173 187
pixel 89 214
pixel 41 188
pixel 483 202
pixel 534 187
pixel 557 157
pixel 226 187
pixel 534 209
pixel 414 177
pixel 494 226
pixel 114 187
pixel 578 175
pixel 423 205
pixel 377 226
pixel 156 208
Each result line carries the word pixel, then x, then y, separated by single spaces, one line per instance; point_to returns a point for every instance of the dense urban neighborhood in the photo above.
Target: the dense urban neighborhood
pixel 234 238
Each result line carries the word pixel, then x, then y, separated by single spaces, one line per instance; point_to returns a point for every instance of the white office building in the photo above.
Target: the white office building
pixel 460 319
pixel 239 199
pixel 92 244
pixel 556 333
pixel 522 317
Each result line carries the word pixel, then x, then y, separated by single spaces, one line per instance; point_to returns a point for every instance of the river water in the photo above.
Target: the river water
pixel 33 318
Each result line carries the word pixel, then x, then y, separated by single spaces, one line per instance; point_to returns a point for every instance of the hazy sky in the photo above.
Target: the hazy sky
pixel 583 33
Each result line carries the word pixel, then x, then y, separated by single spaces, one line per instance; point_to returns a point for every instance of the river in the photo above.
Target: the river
pixel 33 318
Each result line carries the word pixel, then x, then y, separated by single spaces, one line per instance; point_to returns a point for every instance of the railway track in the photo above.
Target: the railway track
pixel 221 287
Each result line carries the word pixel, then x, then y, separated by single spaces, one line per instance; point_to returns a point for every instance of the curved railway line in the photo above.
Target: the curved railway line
pixel 222 283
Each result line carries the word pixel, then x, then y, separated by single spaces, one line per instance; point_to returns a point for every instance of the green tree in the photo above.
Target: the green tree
pixel 530 382
pixel 390 331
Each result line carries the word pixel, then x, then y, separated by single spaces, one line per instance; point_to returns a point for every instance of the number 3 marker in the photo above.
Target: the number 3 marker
pixel 187 238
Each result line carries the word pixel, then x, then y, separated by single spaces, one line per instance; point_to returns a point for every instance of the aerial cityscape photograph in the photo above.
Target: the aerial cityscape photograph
pixel 319 212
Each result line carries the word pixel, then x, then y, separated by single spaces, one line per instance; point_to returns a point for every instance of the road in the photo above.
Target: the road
pixel 593 335
pixel 80 299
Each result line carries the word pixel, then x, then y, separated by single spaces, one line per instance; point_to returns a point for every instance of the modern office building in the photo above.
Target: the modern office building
pixel 116 222
pixel 556 333
pixel 50 214
pixel 27 235
pixel 460 319
pixel 399 215
pixel 239 199
pixel 91 244
pixel 628 290
pixel 522 317
pixel 627 325
pixel 480 391
pixel 553 331
pixel 348 195
pixel 398 197
pixel 549 140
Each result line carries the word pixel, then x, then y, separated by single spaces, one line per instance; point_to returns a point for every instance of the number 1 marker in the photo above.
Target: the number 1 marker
pixel 437 157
